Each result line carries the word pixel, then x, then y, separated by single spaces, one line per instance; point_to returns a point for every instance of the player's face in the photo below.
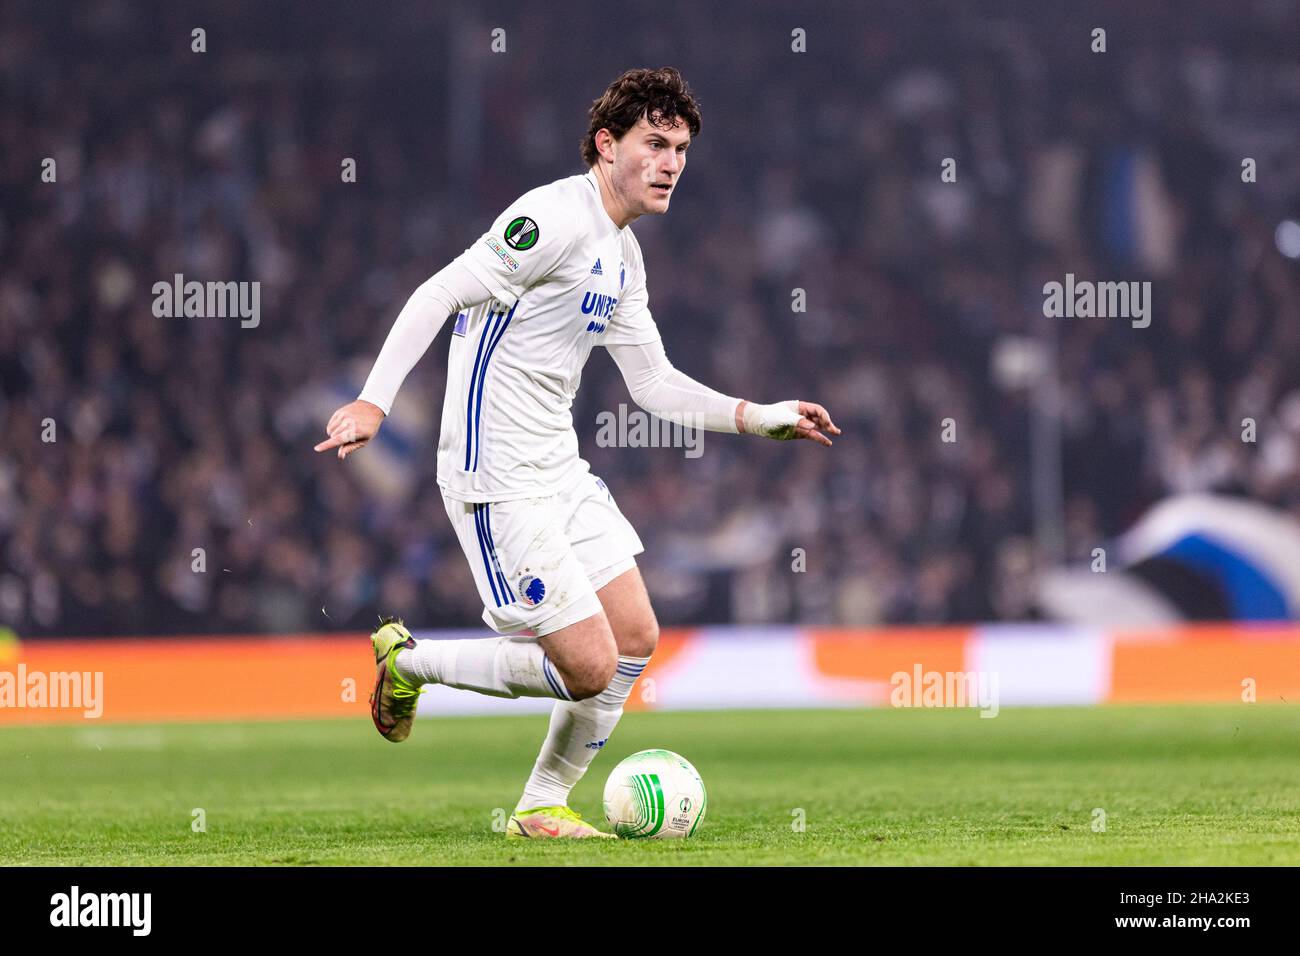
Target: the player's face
pixel 647 165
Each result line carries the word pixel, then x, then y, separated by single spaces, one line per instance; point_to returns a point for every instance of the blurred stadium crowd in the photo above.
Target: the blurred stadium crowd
pixel 817 171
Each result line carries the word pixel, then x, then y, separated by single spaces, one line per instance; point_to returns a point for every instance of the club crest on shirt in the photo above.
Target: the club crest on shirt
pixel 522 233
pixel 531 590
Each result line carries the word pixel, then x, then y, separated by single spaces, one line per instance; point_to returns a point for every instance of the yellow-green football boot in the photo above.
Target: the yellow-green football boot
pixel 392 705
pixel 552 823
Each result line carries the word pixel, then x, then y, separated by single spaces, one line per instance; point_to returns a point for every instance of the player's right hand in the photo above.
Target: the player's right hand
pixel 351 427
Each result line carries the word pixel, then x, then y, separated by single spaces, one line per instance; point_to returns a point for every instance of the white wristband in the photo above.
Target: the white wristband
pixel 777 420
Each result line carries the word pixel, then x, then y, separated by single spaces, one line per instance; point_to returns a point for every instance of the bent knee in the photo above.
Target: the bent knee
pixel 592 677
pixel 640 641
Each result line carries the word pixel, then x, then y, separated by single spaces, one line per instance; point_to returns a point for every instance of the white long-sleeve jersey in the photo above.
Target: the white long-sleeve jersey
pixel 556 277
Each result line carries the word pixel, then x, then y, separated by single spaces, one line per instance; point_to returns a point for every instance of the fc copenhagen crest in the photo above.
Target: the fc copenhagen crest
pixel 522 233
pixel 531 590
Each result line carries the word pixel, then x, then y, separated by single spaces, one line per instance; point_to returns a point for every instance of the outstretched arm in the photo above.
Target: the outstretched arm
pixel 665 391
pixel 442 295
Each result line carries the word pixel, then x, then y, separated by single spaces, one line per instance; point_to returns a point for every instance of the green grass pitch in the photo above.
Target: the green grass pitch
pixel 1186 785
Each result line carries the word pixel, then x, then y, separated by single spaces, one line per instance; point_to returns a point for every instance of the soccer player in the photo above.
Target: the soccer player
pixel 553 558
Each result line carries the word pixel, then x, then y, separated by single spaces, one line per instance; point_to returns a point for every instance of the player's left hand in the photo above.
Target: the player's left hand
pixel 814 417
pixel 785 421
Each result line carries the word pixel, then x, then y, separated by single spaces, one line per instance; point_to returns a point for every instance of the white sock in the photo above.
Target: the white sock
pixel 578 731
pixel 497 666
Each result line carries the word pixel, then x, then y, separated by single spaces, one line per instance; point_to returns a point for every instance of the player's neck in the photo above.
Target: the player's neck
pixel 618 215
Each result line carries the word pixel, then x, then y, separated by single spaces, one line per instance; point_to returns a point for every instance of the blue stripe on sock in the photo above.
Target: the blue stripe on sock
pixel 482 546
pixel 546 672
pixel 556 677
pixel 553 679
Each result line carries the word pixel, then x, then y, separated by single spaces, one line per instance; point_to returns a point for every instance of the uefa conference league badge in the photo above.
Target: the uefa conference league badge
pixel 522 233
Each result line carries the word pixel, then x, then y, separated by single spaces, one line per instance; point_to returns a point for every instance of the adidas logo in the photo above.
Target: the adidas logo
pixel 595 270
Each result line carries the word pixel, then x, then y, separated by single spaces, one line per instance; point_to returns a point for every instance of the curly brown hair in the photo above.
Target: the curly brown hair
pixel 661 96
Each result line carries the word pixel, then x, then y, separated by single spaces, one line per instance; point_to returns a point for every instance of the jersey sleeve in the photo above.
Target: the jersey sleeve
pixel 526 243
pixel 632 323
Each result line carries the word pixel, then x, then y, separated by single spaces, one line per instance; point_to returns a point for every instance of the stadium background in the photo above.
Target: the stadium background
pixel 818 171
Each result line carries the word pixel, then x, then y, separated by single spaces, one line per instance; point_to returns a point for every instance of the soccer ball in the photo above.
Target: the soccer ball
pixel 656 794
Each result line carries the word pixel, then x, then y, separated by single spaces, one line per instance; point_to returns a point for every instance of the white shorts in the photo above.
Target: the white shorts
pixel 538 562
